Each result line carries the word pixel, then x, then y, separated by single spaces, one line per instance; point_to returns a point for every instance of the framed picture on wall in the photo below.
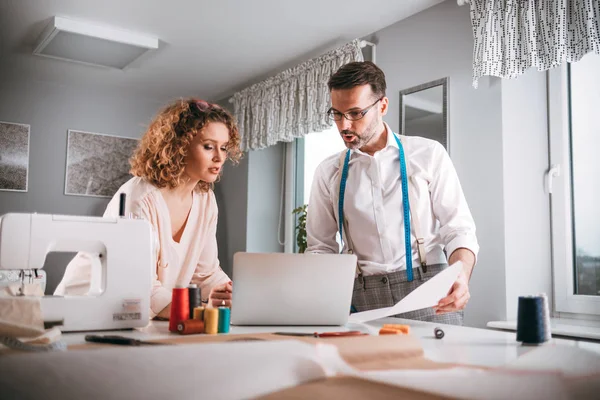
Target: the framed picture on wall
pixel 97 164
pixel 14 156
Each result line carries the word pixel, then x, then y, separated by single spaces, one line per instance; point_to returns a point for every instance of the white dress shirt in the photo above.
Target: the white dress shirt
pixel 373 206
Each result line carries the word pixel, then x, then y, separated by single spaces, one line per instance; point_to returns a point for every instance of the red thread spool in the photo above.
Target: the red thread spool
pixel 190 327
pixel 180 307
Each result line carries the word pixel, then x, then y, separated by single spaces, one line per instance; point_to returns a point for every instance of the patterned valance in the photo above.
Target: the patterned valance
pixel 292 103
pixel 514 35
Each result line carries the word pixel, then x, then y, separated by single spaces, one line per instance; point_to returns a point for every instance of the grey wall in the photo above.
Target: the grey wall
pixel 51 109
pixel 438 43
pixel 248 196
pixel 265 173
pixel 232 198
pixel 249 201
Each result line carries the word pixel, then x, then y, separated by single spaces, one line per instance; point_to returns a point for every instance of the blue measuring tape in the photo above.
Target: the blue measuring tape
pixel 405 204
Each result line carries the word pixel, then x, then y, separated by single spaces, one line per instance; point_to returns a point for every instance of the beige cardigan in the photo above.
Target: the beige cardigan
pixel 192 260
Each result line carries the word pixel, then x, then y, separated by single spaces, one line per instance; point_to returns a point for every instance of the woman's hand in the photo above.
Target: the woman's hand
pixel 221 295
pixel 164 314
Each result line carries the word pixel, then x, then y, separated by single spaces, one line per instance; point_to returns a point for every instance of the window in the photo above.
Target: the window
pixel 574 100
pixel 309 152
pixel 317 147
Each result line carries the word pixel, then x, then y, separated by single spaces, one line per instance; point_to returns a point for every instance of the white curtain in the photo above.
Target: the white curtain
pixel 514 35
pixel 292 103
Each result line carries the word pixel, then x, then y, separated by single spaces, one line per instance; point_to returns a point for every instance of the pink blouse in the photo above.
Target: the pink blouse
pixel 193 260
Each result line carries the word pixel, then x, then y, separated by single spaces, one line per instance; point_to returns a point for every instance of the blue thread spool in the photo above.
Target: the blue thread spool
pixel 224 314
pixel 533 320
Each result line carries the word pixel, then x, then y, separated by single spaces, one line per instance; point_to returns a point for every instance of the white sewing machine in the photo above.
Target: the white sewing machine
pixel 121 276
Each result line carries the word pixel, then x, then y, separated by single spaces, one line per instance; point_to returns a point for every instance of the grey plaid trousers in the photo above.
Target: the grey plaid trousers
pixel 379 291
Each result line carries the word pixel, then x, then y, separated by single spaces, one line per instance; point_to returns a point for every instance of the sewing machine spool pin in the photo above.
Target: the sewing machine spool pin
pixel 24 274
pixel 122 198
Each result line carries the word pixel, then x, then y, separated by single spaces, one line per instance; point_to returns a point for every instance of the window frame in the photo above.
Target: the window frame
pixel 560 190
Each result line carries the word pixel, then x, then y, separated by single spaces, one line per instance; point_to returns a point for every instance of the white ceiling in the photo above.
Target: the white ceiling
pixel 209 48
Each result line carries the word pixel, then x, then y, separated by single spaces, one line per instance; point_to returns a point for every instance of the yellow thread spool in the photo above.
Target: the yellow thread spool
pixel 199 313
pixel 211 321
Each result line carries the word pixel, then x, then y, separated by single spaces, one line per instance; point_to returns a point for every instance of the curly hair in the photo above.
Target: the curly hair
pixel 160 155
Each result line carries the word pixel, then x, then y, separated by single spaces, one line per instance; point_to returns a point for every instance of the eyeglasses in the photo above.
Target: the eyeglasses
pixel 354 115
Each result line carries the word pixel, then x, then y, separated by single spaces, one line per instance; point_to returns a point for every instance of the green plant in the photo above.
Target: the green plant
pixel 301 227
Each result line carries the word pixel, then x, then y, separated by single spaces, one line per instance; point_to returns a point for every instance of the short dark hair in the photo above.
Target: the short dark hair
pixel 357 74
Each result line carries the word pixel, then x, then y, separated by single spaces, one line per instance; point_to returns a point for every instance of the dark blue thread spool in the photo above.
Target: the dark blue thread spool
pixel 533 320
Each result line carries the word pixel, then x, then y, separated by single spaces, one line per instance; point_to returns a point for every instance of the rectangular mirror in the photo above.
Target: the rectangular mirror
pixel 424 111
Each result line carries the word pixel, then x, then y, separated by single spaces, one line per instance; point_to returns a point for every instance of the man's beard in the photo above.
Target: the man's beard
pixel 361 140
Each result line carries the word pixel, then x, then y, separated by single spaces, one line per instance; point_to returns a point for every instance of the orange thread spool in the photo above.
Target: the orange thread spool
pixel 211 320
pixel 190 327
pixel 198 313
pixel 180 307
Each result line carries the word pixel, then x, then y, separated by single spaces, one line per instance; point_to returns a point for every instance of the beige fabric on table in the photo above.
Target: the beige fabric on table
pixel 28 289
pixel 20 316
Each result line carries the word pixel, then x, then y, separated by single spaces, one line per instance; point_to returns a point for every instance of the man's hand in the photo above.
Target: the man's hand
pixel 457 298
pixel 221 295
pixel 459 295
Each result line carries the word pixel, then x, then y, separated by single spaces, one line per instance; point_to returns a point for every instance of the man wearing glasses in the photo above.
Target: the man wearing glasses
pixel 367 193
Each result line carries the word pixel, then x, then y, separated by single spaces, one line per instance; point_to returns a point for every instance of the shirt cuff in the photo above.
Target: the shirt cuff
pixel 463 241
pixel 159 300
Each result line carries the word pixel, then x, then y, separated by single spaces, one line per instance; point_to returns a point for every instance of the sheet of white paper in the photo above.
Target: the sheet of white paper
pixel 426 295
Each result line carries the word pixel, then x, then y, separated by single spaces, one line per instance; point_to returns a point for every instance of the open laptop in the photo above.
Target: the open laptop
pixel 292 289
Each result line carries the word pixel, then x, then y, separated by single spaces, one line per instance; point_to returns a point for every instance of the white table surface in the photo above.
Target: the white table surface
pixel 464 345
pixel 560 327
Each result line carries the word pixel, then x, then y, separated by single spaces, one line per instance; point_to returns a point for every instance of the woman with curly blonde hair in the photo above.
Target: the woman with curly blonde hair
pixel 175 165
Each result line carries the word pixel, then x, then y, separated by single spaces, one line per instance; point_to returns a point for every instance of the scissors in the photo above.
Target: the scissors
pixel 322 335
pixel 121 340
